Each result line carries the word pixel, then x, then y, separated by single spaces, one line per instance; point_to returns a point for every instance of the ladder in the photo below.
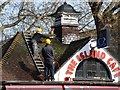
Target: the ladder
pixel 38 62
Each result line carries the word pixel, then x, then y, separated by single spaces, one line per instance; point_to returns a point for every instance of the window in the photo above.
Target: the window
pixel 91 69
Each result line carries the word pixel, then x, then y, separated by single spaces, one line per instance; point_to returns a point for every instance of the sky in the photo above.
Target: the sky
pixel 1 1
pixel 10 9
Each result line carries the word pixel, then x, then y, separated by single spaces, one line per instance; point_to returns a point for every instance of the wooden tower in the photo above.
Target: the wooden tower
pixel 66 24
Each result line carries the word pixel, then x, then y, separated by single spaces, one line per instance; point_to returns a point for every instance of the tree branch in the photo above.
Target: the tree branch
pixel 83 16
pixel 36 20
pixel 86 24
pixel 95 8
pixel 12 24
pixel 111 8
pixel 4 4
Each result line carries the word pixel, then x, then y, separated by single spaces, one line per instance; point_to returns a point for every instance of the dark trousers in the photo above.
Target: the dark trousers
pixel 49 68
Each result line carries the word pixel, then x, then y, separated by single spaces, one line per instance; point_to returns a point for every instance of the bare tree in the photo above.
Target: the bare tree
pixel 4 4
pixel 107 17
pixel 28 16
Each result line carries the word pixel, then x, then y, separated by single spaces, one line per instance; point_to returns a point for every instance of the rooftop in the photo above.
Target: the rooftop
pixel 65 8
pixel 17 64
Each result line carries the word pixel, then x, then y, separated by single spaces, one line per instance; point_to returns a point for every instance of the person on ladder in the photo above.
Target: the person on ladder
pixel 36 38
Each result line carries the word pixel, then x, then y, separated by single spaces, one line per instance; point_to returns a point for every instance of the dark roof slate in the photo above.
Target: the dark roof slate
pixel 17 64
pixel 66 8
pixel 72 48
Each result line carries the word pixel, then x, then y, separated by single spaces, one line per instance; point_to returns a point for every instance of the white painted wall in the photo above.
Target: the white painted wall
pixel 61 73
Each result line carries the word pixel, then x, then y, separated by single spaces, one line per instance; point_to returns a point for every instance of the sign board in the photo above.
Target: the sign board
pixel 103 38
pixel 69 21
pixel 68 69
pixel 59 87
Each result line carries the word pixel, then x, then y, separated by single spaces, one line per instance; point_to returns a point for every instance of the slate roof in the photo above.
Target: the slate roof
pixel 66 8
pixel 17 63
pixel 72 48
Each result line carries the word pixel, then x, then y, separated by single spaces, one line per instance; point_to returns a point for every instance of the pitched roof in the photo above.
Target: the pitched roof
pixel 66 8
pixel 17 63
pixel 72 48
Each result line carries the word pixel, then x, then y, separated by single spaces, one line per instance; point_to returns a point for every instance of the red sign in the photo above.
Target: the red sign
pixel 60 87
pixel 111 63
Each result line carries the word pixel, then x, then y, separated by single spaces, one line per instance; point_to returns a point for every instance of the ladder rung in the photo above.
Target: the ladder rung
pixel 28 39
pixel 37 59
pixel 27 34
pixel 39 62
pixel 40 67
pixel 41 70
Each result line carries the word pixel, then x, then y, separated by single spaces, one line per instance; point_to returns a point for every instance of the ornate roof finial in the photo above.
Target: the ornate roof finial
pixel 65 2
